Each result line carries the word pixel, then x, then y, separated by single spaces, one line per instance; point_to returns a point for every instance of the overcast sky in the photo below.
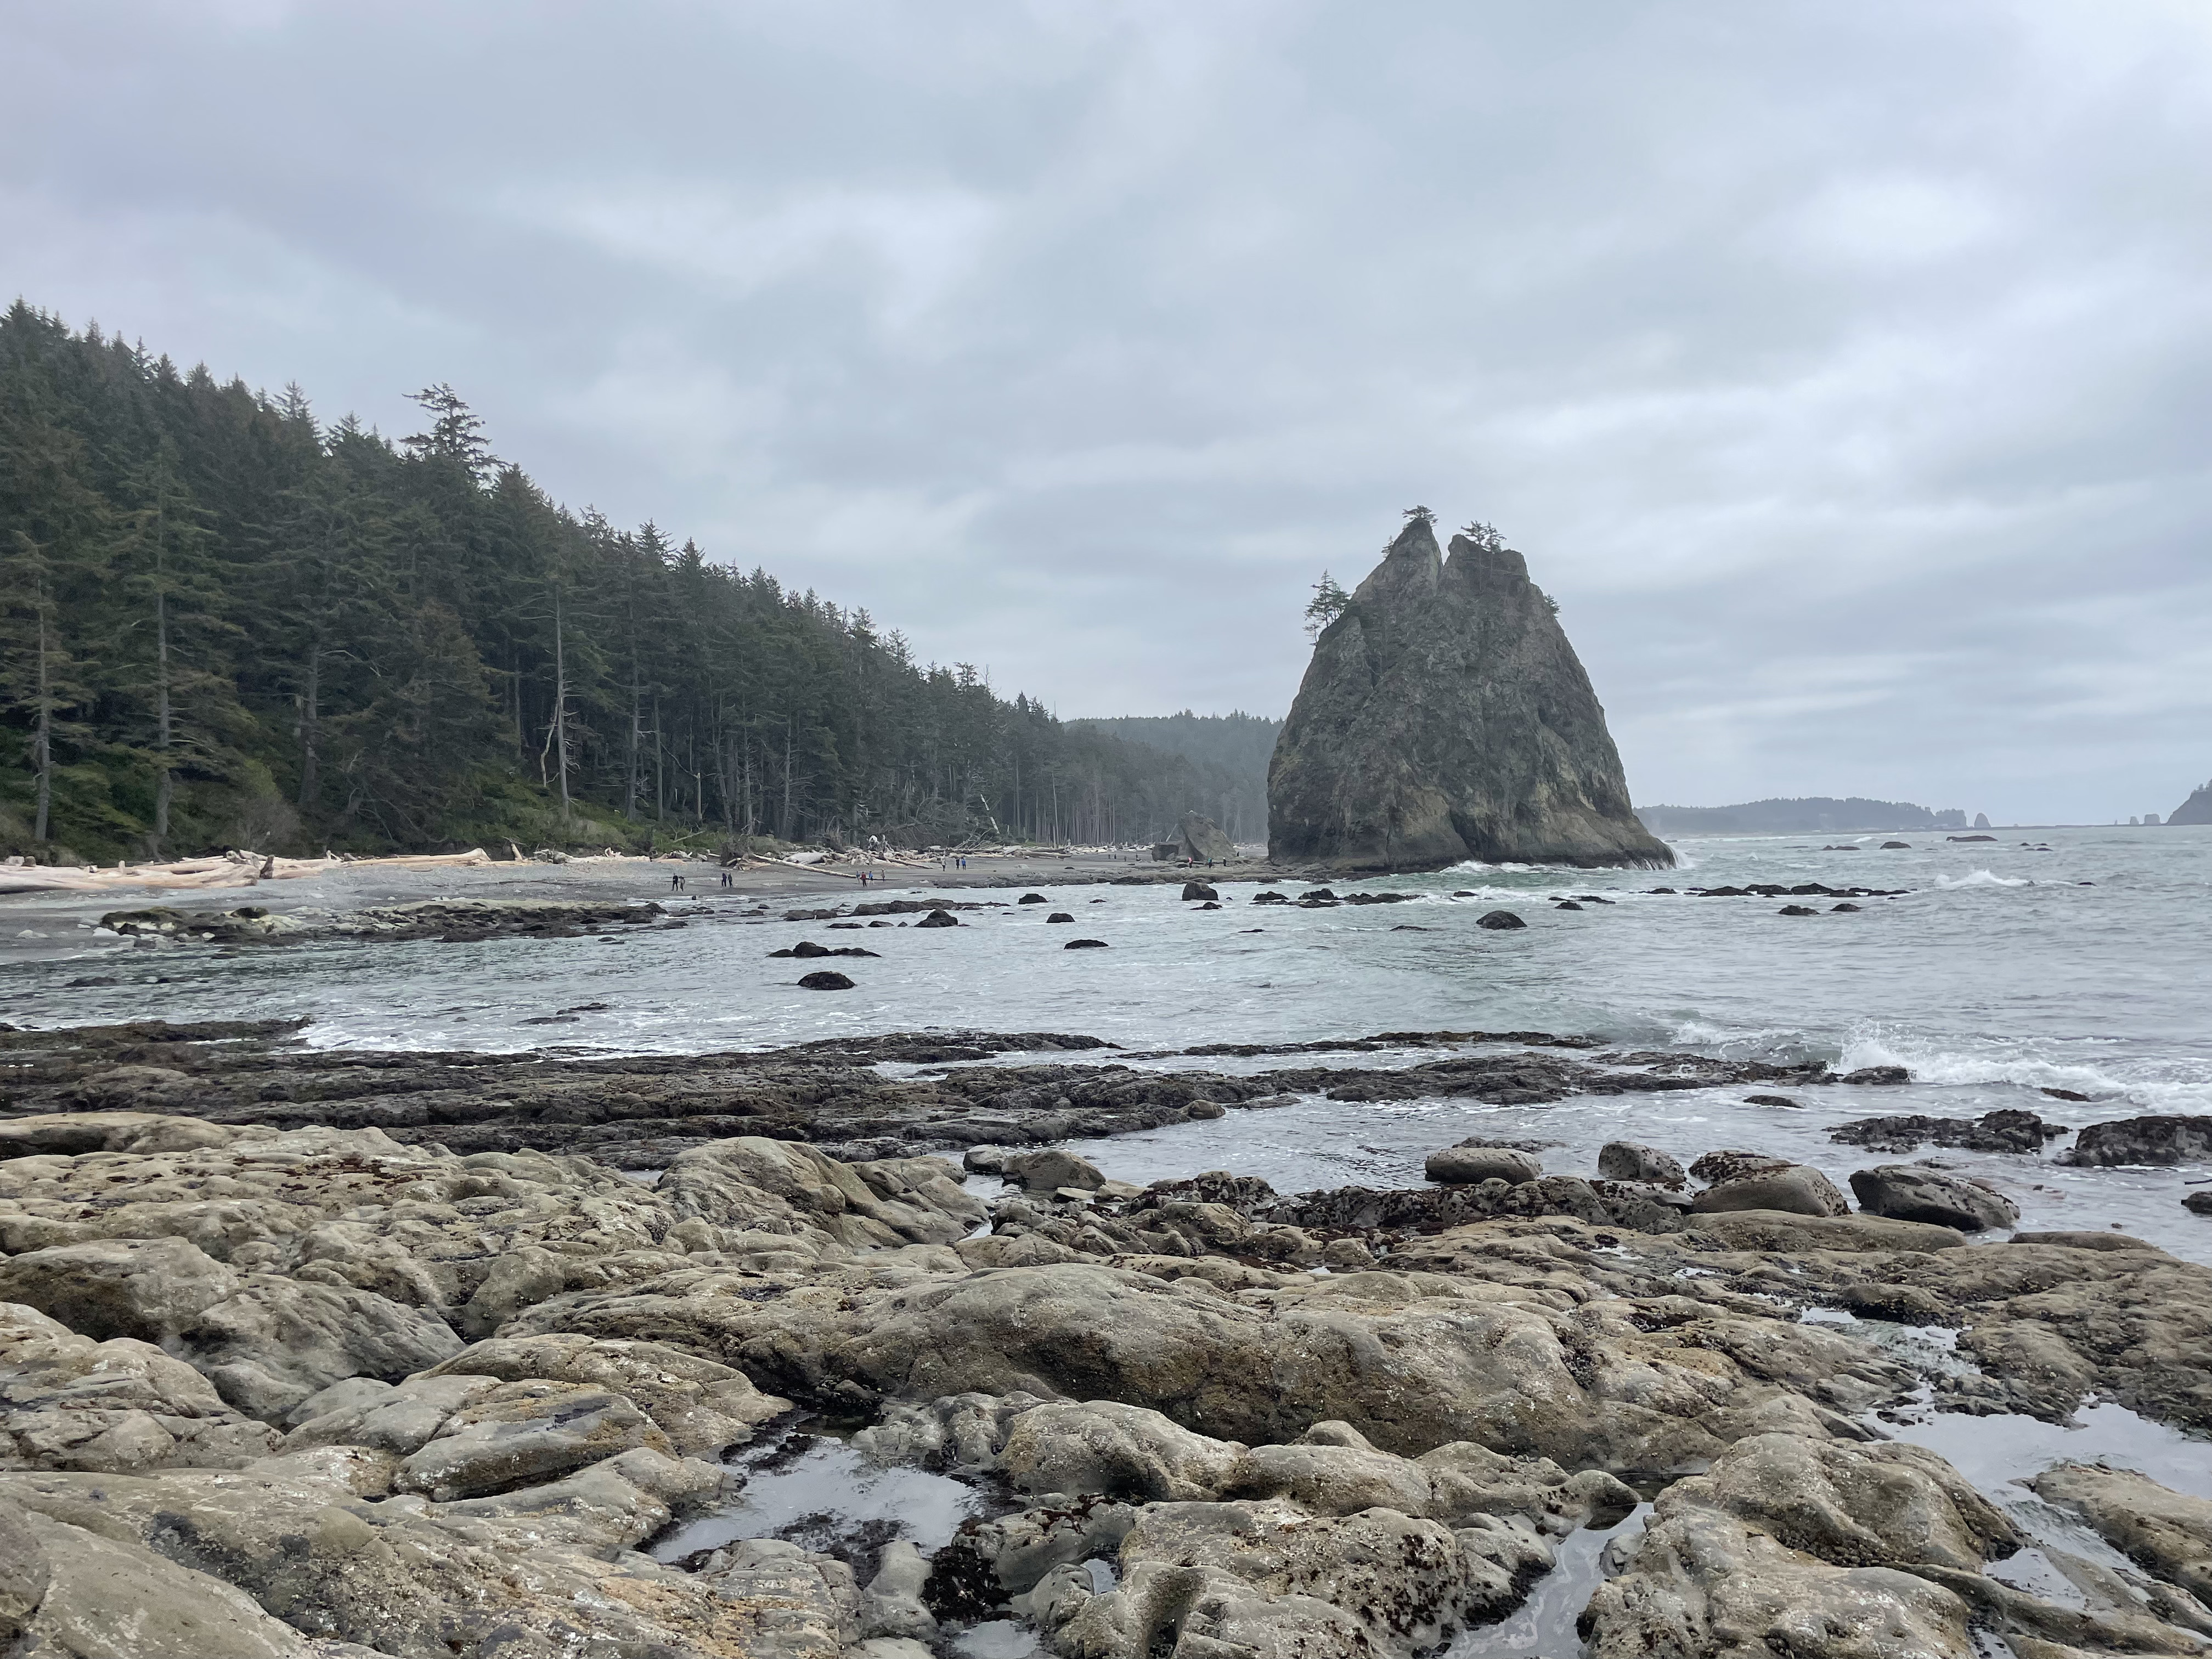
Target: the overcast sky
pixel 1841 367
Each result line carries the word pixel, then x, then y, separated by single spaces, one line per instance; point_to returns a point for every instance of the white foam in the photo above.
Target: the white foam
pixel 1939 1067
pixel 1982 879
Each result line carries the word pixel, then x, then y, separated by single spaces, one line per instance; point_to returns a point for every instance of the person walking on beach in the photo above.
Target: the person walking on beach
pixel 676 881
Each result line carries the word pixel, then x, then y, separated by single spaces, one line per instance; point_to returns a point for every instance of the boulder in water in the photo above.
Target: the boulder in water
pixel 1445 717
pixel 1049 1171
pixel 1500 920
pixel 938 919
pixel 1625 1160
pixel 1906 1192
pixel 825 979
pixel 2164 1138
pixel 1198 889
pixel 1467 1164
pixel 1753 1181
pixel 1084 945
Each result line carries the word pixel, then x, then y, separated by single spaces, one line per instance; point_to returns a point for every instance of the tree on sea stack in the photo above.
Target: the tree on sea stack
pixel 1445 717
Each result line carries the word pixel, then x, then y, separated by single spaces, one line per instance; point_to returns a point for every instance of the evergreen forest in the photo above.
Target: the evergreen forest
pixel 224 624
pixel 1229 751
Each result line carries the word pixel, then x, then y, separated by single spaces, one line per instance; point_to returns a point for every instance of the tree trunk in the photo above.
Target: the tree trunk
pixel 167 783
pixel 560 704
pixel 43 740
pixel 310 712
pixel 636 701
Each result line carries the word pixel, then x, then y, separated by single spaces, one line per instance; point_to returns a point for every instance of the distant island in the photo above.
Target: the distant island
pixel 1811 815
pixel 2197 809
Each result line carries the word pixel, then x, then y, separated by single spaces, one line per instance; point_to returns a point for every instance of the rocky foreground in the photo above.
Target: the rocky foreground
pixel 298 1388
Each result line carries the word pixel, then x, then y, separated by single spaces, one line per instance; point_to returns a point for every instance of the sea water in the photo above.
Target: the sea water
pixel 2073 959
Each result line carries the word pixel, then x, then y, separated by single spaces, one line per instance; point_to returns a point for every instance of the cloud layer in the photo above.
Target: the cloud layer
pixel 1842 370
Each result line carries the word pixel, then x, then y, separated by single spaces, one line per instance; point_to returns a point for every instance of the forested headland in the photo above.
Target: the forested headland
pixel 224 624
pixel 1229 752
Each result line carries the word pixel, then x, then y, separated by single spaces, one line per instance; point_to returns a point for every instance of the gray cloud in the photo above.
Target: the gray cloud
pixel 1842 370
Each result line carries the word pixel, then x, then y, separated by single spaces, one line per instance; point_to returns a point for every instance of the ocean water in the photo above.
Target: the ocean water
pixel 2076 959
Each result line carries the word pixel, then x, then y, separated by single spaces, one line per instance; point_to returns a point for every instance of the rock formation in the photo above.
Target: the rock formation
pixel 1202 838
pixel 279 1389
pixel 1444 717
pixel 2197 809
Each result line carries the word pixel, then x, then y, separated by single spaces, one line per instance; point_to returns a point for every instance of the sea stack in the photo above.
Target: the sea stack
pixel 1444 717
pixel 2197 809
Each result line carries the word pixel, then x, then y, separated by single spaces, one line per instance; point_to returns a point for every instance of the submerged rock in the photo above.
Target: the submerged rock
pixel 1445 717
pixel 1500 920
pixel 2011 1130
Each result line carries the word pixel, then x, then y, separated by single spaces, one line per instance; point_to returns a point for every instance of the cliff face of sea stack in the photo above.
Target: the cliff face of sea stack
pixel 1445 717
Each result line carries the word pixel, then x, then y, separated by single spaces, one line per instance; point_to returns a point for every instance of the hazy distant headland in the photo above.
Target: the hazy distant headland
pixel 1798 815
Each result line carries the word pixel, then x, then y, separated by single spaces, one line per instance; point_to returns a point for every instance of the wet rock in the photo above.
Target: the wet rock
pixel 1777 1230
pixel 1263 1578
pixel 1084 945
pixel 808 948
pixel 266 1341
pixel 1797 910
pixel 23 1572
pixel 1033 899
pixel 803 1604
pixel 825 979
pixel 1781 1101
pixel 116 1406
pixel 1114 1450
pixel 522 1434
pixel 2161 1139
pixel 1198 889
pixel 1499 919
pixel 1472 1164
pixel 1906 1192
pixel 1799 1546
pixel 1625 1160
pixel 1051 1170
pixel 2160 1530
pixel 1844 908
pixel 1523 1376
pixel 892 1604
pixel 548 1570
pixel 1060 915
pixel 2010 1130
pixel 1876 1077
pixel 2198 1203
pixel 150 1289
pixel 98 1595
pixel 1752 1180
pixel 702 1407
pixel 1566 904
pixel 938 919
